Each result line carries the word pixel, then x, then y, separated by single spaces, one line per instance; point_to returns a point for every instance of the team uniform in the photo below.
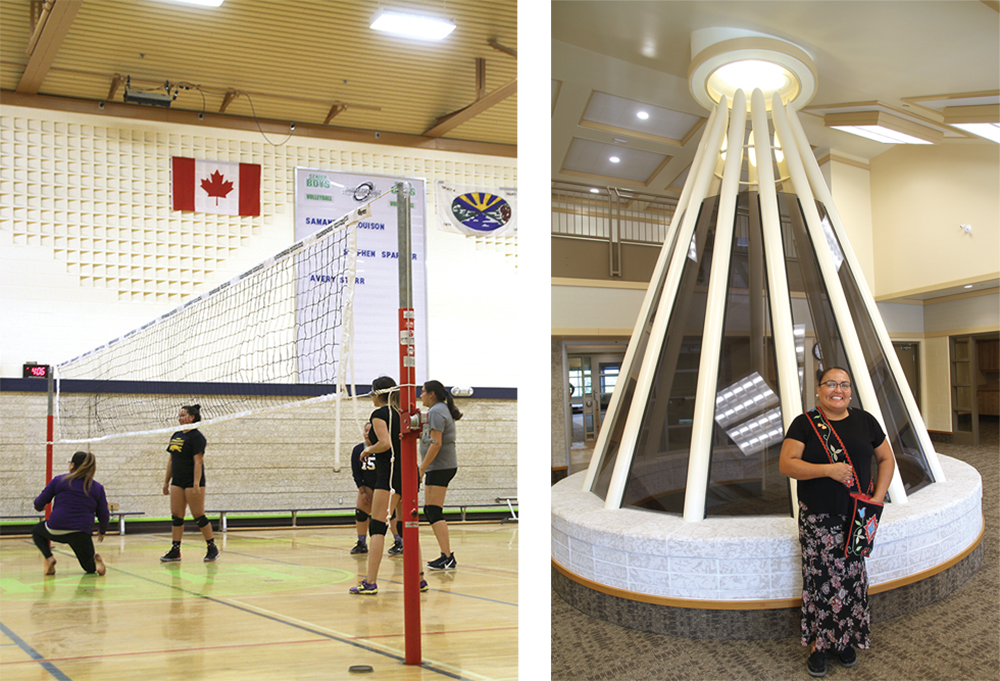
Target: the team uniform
pixel 363 471
pixel 387 475
pixel 184 446
pixel 72 518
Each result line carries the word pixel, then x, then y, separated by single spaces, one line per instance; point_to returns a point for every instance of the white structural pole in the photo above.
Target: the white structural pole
pixel 841 311
pixel 642 321
pixel 703 420
pixel 658 332
pixel 822 192
pixel 774 254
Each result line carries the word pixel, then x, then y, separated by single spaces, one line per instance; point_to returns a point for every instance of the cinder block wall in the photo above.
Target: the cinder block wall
pixel 281 460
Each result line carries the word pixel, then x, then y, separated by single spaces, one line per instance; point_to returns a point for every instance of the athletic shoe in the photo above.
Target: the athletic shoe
pixel 848 657
pixel 424 588
pixel 364 589
pixel 443 563
pixel 816 664
pixel 396 549
pixel 360 547
pixel 212 553
pixel 171 556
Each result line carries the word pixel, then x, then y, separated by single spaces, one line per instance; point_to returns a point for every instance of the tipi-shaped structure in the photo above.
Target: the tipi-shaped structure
pixel 756 290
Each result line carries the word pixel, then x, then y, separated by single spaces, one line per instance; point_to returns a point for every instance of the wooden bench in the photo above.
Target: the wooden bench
pixel 224 513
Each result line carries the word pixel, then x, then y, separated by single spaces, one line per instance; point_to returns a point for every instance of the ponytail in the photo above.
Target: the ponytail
pixel 443 395
pixel 84 467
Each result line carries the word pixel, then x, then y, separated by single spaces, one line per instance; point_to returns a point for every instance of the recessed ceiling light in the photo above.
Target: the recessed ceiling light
pixel 614 159
pixel 410 25
pixel 201 3
pixel 642 115
pixel 990 131
pixel 594 190
pixel 883 127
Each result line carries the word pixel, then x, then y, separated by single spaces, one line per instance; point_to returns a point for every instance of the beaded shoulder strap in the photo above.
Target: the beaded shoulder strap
pixel 837 452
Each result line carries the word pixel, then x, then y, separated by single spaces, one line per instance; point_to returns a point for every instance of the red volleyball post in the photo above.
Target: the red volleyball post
pixel 49 436
pixel 409 417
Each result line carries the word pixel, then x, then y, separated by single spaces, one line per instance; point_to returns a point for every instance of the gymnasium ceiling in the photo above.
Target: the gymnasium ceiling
pixel 314 63
pixel 912 58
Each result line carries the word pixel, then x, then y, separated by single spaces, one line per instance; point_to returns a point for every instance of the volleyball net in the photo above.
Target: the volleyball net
pixel 277 335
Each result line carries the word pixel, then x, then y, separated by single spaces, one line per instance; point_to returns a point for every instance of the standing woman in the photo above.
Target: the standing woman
pixel 382 444
pixel 185 483
pixel 76 497
pixel 439 463
pixel 835 613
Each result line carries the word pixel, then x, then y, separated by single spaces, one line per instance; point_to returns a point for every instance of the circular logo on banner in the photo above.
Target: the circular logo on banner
pixel 481 211
pixel 363 191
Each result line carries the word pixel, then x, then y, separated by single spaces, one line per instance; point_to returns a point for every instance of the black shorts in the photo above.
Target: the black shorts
pixel 186 481
pixel 384 474
pixel 439 478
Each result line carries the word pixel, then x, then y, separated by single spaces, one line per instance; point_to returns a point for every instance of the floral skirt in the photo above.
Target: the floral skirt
pixel 835 609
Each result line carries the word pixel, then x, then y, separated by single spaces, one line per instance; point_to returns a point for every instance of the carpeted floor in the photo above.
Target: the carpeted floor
pixel 954 639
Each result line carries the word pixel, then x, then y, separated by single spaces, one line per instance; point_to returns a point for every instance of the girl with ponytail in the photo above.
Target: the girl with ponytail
pixel 76 498
pixel 439 464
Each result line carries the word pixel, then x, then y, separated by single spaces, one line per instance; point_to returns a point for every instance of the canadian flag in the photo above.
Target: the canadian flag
pixel 215 186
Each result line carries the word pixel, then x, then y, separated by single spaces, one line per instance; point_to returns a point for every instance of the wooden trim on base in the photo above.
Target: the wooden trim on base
pixel 774 604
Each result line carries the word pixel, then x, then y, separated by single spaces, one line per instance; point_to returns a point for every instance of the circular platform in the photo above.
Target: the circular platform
pixel 740 577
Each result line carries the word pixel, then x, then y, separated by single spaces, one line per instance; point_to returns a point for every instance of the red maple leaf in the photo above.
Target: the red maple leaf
pixel 216 186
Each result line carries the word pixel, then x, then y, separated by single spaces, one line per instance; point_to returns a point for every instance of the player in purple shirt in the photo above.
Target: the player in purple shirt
pixel 76 498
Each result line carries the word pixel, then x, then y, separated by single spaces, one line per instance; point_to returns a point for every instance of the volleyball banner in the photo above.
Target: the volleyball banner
pixel 215 186
pixel 321 198
pixel 476 211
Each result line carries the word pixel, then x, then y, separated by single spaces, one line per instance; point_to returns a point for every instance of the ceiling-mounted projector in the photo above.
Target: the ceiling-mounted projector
pixel 148 98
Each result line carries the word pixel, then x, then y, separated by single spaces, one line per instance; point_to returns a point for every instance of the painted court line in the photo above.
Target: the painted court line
pixel 34 654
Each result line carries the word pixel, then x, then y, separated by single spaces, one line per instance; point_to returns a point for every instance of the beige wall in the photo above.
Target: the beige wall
pixel 850 187
pixel 920 196
pixel 283 460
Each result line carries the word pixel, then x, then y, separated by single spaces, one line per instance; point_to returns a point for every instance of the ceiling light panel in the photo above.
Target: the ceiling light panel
pixel 587 158
pixel 883 127
pixel 412 25
pixel 620 115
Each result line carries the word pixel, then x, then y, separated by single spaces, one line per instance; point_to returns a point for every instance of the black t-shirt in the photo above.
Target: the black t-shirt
pixel 860 433
pixel 184 445
pixel 391 418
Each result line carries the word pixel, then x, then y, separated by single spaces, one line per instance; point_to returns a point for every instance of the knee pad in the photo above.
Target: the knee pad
pixel 360 515
pixel 433 514
pixel 201 521
pixel 377 527
pixel 176 521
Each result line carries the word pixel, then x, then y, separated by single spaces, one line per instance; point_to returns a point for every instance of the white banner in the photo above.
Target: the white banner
pixel 322 196
pixel 476 211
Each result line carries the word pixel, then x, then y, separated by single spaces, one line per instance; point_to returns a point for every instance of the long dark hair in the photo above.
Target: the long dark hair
pixel 443 395
pixel 384 383
pixel 193 410
pixel 84 467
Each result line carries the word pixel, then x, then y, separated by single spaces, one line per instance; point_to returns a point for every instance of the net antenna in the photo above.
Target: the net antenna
pixel 276 337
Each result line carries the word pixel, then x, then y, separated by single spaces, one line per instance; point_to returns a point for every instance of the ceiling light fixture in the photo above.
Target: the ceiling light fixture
pixel 643 115
pixel 883 127
pixel 201 3
pixel 614 159
pixel 594 190
pixel 724 60
pixel 982 120
pixel 410 25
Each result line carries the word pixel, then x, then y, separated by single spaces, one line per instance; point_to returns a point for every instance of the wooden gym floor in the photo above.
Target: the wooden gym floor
pixel 275 606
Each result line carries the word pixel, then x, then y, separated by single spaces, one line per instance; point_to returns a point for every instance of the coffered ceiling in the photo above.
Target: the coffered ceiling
pixel 612 59
pixel 315 63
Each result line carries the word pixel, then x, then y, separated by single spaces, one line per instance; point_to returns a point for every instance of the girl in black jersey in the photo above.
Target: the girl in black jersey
pixel 185 483
pixel 382 443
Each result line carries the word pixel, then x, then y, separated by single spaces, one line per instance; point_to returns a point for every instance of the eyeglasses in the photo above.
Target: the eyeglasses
pixel 832 385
